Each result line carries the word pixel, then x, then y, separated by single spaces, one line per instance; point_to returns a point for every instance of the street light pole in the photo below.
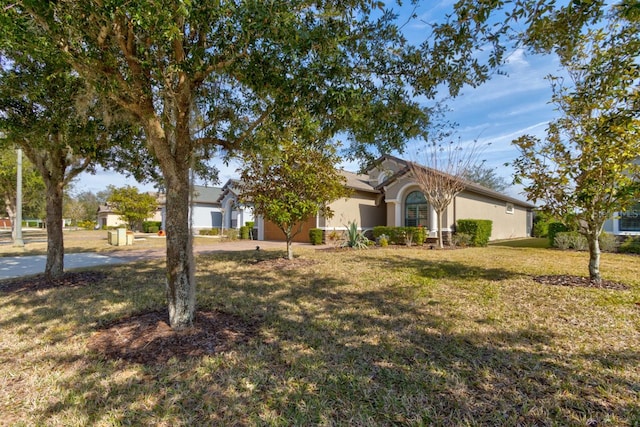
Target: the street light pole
pixel 18 242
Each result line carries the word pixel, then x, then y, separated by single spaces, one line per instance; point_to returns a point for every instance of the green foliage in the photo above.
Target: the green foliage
pixel 585 166
pixel 150 226
pixel 608 242
pixel 244 232
pixel 209 232
pixel 132 206
pixel 478 229
pixel 631 245
pixel 355 238
pixel 315 236
pixel 33 204
pixel 486 176
pixel 295 179
pixel 87 225
pixel 570 240
pixel 401 235
pixel 461 239
pixel 231 233
pixel 541 224
pixel 554 228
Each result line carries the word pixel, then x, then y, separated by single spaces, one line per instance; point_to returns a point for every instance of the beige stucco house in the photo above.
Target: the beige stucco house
pixel 387 194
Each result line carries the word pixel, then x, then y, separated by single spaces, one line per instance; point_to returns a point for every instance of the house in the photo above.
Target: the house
pixel 205 210
pixel 234 213
pixel 388 194
pixel 107 218
pixel 625 223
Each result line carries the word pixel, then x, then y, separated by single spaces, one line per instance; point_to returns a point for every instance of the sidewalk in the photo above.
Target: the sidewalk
pixel 12 267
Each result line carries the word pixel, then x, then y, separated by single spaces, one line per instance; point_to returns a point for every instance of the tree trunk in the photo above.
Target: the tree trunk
pixel 289 249
pixel 594 258
pixel 12 216
pixel 55 241
pixel 439 221
pixel 181 286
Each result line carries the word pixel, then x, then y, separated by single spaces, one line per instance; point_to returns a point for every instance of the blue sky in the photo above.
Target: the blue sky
pixel 495 113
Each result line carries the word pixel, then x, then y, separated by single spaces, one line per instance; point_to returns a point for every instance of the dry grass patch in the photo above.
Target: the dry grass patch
pixel 390 336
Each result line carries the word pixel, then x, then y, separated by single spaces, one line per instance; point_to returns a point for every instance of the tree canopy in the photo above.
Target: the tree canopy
pixel 132 206
pixel 199 77
pixel 293 180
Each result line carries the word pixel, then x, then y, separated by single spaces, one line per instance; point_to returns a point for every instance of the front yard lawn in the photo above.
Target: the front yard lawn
pixel 390 336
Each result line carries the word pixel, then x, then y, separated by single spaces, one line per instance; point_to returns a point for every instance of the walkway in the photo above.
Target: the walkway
pixel 11 267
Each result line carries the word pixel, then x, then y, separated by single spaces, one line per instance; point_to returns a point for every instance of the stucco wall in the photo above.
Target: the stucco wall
pixel 202 216
pixel 360 207
pixel 505 225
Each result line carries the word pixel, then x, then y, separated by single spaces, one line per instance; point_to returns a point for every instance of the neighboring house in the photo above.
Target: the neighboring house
pixel 205 212
pixel 107 218
pixel 387 194
pixel 625 223
pixel 235 214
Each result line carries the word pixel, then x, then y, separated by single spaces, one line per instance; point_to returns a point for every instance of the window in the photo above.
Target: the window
pixel 630 219
pixel 510 209
pixel 416 210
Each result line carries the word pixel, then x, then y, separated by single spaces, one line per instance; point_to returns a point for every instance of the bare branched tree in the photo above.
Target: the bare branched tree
pixel 441 172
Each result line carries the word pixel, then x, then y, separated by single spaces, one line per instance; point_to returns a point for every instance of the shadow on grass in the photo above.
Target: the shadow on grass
pixel 437 268
pixel 327 353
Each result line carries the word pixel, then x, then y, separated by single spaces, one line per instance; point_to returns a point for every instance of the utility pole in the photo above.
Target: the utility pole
pixel 18 242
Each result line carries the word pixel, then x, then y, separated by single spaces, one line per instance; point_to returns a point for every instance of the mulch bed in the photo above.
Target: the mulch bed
pixel 39 282
pixel 567 280
pixel 148 339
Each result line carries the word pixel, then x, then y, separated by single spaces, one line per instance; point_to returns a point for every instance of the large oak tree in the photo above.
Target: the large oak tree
pixel 50 112
pixel 202 73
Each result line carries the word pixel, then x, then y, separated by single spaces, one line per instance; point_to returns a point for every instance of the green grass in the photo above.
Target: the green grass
pixel 375 337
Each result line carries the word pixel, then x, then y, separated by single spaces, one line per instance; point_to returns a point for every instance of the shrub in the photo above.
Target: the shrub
pixel 153 229
pixel 461 239
pixel 401 235
pixel 244 232
pixel 250 225
pixel 146 225
pixel 478 229
pixel 381 230
pixel 553 229
pixel 608 242
pixel 631 245
pixel 571 240
pixel 383 240
pixel 231 233
pixel 87 225
pixel 209 232
pixel 315 236
pixel 356 238
pixel 541 222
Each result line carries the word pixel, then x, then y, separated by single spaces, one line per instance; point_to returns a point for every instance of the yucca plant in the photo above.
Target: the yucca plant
pixel 356 238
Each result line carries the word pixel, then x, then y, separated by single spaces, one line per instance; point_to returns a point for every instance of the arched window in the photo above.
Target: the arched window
pixel 416 211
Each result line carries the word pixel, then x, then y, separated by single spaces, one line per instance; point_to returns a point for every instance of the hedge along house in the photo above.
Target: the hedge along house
pixel 387 194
